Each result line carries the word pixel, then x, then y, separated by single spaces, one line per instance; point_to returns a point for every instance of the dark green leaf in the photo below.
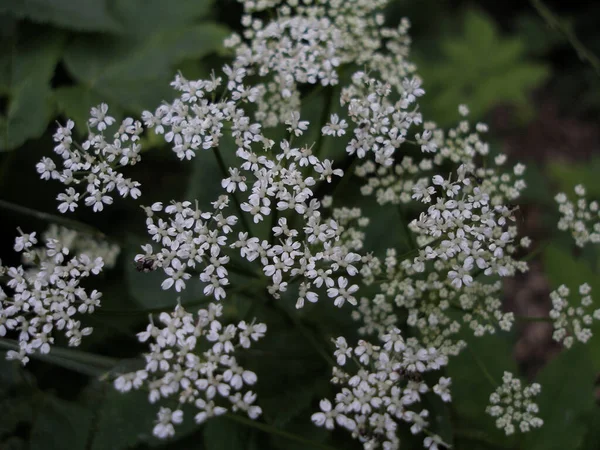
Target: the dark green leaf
pixel 59 422
pixel 146 17
pixel 123 420
pixel 485 357
pixel 223 434
pixel 481 69
pixel 81 15
pixel 135 75
pixel 28 66
pixel 566 400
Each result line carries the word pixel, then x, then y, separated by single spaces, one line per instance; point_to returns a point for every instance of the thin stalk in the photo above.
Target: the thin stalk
pixel 324 117
pixel 410 239
pixel 272 430
pixel 561 26
pixel 483 368
pixel 225 172
pixel 52 218
pixel 319 348
pixel 78 361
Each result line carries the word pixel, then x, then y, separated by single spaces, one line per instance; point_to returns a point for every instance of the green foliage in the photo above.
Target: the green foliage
pixel 569 175
pixel 481 69
pixel 58 422
pixel 475 373
pixel 27 67
pixel 566 402
pixel 134 51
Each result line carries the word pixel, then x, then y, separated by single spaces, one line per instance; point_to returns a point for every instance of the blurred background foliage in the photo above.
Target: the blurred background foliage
pixel 532 83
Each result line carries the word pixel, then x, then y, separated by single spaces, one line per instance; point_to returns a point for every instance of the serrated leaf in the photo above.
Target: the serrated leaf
pixel 481 69
pixel 58 422
pixel 80 15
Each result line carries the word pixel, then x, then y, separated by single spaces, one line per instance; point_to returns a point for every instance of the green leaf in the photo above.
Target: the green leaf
pixel 562 267
pixel 479 68
pixel 484 358
pixel 223 434
pixel 571 174
pixel 80 15
pixel 28 66
pixel 59 422
pixel 124 421
pixel 566 400
pixel 145 17
pixel 133 75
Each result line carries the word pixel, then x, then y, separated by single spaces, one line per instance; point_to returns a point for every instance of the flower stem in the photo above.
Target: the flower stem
pixel 567 30
pixel 272 430
pixel 224 171
pixel 408 234
pixel 52 218
pixel 78 361
pixel 483 368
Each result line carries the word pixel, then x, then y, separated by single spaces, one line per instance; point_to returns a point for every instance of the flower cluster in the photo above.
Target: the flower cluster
pixel 178 367
pixel 572 323
pixel 191 240
pixel 383 390
pixel 513 404
pixel 94 163
pixel 46 295
pixel 581 218
pixel 273 222
pixel 307 43
pixel 269 180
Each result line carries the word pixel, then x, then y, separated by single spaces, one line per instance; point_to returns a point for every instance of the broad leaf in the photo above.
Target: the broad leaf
pixel 566 401
pixel 132 75
pixel 27 67
pixel 80 15
pixel 59 422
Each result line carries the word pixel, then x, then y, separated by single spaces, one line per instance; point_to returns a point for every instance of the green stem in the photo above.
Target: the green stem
pixel 46 217
pixel 272 430
pixel 410 239
pixel 78 361
pixel 225 173
pixel 556 24
pixel 483 368
pixel 324 117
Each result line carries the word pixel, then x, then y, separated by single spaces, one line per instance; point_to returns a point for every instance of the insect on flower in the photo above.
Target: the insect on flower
pixel 144 264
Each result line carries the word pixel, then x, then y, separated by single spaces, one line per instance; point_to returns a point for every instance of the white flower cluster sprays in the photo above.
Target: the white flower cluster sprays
pixel 513 405
pixel 572 323
pixel 177 367
pixel 308 42
pixel 581 218
pixel 191 240
pixel 382 386
pixel 267 180
pixel 45 296
pixel 94 164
